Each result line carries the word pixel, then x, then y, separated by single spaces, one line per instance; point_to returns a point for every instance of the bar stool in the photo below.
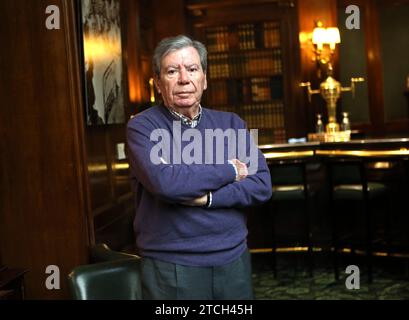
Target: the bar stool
pixel 289 182
pixel 348 181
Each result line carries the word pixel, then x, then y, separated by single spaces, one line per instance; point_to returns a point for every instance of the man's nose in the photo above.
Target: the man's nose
pixel 183 77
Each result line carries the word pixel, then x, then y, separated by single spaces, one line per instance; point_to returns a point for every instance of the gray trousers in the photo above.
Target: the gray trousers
pixel 169 281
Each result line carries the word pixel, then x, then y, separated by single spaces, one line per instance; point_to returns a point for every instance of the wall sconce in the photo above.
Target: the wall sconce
pixel 324 41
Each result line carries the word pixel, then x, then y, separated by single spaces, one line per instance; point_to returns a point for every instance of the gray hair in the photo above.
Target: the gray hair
pixel 171 44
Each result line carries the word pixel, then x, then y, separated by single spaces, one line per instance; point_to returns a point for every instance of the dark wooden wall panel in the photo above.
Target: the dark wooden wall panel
pixel 374 65
pixel 378 125
pixel 44 206
pixel 169 18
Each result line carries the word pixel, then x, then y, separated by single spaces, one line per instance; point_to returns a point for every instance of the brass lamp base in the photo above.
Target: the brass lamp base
pixel 332 127
pixel 330 90
pixel 340 136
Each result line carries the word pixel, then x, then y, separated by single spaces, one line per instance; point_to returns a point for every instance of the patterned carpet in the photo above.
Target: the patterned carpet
pixel 391 281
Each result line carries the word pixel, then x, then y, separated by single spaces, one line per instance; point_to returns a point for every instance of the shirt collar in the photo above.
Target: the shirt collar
pixel 185 120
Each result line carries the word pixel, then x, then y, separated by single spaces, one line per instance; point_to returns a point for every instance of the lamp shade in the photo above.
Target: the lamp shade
pixel 319 36
pixel 332 37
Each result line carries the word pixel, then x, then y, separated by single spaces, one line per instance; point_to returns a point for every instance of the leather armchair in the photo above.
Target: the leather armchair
pixel 113 276
pixel 112 280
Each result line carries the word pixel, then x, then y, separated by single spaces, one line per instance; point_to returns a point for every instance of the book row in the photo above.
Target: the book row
pixel 260 116
pixel 246 90
pixel 243 36
pixel 250 63
pixel 263 116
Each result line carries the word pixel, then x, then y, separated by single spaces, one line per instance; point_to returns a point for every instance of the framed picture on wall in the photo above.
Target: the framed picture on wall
pixel 103 63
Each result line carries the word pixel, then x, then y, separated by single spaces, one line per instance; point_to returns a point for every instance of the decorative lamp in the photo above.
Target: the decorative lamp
pixel 325 41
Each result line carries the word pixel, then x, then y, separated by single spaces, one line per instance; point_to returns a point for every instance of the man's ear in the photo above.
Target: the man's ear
pixel 156 80
pixel 205 83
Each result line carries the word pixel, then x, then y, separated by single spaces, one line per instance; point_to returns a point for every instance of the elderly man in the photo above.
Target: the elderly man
pixel 190 229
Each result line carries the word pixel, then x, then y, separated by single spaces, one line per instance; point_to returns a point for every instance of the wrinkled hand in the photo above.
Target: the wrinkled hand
pixel 241 169
pixel 198 202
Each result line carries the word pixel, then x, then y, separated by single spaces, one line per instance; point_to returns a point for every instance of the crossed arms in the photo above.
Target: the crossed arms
pixel 189 184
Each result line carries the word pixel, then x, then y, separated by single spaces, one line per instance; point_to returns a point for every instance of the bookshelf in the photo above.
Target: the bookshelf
pixel 245 71
pixel 253 62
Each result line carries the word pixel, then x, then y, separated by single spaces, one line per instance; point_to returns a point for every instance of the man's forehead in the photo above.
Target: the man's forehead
pixel 186 55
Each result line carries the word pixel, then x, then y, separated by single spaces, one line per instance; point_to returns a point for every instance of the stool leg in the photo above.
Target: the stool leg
pixel 308 234
pixel 368 238
pixel 406 162
pixel 387 219
pixel 334 239
pixel 333 221
pixel 273 241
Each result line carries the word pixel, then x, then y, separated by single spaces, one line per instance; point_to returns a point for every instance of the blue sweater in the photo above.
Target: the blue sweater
pixel 195 236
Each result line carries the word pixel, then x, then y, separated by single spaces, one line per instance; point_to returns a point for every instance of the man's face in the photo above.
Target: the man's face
pixel 182 80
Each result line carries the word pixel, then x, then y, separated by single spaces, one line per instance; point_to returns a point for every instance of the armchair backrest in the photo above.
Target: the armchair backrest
pixel 112 280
